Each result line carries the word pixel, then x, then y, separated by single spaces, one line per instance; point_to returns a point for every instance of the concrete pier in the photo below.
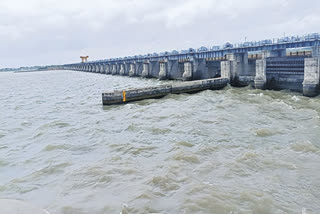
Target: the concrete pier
pixel 114 69
pixel 124 96
pixel 132 71
pixel 108 69
pixel 163 73
pixel 127 68
pixel 261 78
pixel 102 70
pixel 136 69
pixel 122 70
pixel 187 71
pixel 139 68
pixel 311 77
pixel 145 71
pixel 226 69
pixel 236 68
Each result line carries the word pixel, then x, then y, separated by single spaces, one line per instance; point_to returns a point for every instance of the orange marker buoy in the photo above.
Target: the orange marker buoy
pixel 124 95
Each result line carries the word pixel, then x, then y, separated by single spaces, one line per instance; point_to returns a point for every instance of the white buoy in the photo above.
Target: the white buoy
pixel 10 206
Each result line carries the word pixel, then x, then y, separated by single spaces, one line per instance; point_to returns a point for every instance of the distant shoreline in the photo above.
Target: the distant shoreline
pixel 27 71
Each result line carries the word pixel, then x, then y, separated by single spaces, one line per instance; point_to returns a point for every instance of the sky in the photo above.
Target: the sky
pixel 53 32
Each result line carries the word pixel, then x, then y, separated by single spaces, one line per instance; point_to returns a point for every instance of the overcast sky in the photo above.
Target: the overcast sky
pixel 40 32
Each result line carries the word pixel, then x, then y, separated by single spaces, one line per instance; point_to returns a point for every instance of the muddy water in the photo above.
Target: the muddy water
pixel 229 151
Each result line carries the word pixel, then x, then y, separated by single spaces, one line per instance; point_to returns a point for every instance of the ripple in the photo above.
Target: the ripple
pixel 68 98
pixel 133 127
pixel 160 131
pixel 250 155
pixel 38 135
pixel 3 163
pixel 52 169
pixel 205 198
pixel 305 147
pixel 184 143
pixel 207 167
pixel 3 146
pixel 277 164
pixel 26 123
pixel 266 132
pixel 58 124
pixel 89 177
pixel 185 157
pixel 52 147
pixel 73 210
pixel 165 183
pixel 207 150
pixel 207 121
pixel 135 150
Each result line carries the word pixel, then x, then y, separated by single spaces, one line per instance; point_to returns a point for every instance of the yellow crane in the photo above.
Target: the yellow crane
pixel 84 58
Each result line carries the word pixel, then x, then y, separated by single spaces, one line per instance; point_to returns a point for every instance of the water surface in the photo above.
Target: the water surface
pixel 235 150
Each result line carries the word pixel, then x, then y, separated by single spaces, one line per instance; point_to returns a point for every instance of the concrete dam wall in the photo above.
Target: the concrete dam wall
pixel 286 64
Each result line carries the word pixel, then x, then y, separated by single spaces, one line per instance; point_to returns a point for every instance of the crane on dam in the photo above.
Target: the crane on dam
pixel 84 58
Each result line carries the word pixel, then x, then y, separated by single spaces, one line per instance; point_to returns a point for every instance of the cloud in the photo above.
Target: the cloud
pixel 30 30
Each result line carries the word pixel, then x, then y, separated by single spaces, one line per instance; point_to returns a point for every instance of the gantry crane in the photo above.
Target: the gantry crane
pixel 84 58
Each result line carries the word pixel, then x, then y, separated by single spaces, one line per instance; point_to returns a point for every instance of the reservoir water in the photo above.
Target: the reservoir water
pixel 235 150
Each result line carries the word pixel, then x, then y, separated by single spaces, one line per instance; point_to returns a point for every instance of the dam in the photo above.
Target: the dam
pixel 285 63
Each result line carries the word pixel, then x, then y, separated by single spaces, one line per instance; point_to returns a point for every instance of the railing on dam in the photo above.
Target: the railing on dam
pixel 309 40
